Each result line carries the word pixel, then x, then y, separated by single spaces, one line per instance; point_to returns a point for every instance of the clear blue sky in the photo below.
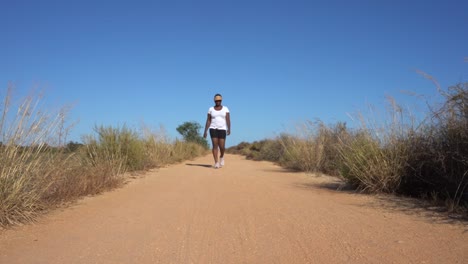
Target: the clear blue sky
pixel 277 63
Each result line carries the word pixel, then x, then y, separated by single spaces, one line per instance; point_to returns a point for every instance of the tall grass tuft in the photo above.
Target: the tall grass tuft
pixel 438 165
pixel 374 156
pixel 301 153
pixel 158 148
pixel 27 162
pixel 314 148
pixel 120 146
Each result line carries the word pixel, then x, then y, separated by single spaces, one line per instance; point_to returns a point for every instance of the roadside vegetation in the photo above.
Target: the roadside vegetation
pixel 397 153
pixel 38 171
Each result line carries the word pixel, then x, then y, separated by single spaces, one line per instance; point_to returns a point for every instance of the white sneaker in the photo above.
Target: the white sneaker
pixel 216 166
pixel 221 162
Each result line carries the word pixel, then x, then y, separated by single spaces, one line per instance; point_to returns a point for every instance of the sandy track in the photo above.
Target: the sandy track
pixel 247 212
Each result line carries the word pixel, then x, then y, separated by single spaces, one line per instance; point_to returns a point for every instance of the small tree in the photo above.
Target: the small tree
pixel 190 133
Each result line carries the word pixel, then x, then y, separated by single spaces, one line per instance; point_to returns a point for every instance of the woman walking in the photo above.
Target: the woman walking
pixel 219 124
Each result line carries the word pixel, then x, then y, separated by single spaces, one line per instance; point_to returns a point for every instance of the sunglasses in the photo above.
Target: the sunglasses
pixel 217 101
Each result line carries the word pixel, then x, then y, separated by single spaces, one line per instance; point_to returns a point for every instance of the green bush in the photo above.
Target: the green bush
pixel 190 131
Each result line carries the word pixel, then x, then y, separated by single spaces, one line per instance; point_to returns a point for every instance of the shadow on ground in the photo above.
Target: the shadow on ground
pixel 330 185
pixel 394 203
pixel 281 170
pixel 199 165
pixel 422 208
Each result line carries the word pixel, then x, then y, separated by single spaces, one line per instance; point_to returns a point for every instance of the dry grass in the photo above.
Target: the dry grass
pixel 392 152
pixel 38 172
pixel 438 165
pixel 374 156
pixel 27 161
pixel 303 152
pixel 313 148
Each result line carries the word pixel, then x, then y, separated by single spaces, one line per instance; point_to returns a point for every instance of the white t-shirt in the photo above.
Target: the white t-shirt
pixel 218 118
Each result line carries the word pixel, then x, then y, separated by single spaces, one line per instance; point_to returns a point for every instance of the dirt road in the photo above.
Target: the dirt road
pixel 246 212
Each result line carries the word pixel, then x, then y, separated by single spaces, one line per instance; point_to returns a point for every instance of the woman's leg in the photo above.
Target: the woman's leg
pixel 222 148
pixel 215 144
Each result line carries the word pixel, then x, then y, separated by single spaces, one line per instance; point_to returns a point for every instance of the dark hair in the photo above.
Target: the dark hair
pixel 218 95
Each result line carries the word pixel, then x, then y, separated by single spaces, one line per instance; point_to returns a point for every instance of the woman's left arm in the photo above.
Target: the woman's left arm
pixel 228 123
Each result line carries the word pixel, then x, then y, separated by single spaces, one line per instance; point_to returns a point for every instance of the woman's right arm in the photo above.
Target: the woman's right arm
pixel 207 125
